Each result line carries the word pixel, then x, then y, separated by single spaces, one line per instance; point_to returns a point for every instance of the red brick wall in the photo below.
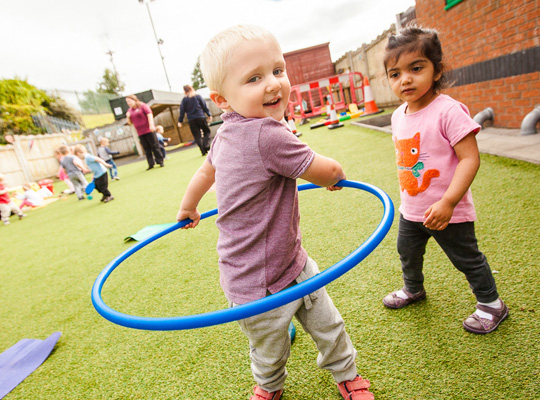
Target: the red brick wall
pixel 478 30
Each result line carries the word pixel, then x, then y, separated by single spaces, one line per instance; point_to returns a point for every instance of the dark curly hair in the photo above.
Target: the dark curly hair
pixel 412 39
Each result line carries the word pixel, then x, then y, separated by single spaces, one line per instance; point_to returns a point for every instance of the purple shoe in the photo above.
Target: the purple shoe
pixel 394 301
pixel 476 324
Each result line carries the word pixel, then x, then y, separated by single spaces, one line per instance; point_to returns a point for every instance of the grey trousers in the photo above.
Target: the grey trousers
pixel 459 243
pixel 270 344
pixel 79 183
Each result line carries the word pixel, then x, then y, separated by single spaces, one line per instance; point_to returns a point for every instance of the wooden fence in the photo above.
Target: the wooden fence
pixel 122 138
pixel 31 158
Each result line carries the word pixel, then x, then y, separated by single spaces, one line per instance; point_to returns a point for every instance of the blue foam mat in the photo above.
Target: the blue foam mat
pixel 21 359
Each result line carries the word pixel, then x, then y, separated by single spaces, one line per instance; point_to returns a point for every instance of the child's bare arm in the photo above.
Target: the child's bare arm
pixel 79 164
pixel 439 214
pixel 203 179
pixel 325 172
pixel 102 162
pixel 151 123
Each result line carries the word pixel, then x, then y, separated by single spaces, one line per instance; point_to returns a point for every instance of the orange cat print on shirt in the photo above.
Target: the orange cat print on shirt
pixel 407 159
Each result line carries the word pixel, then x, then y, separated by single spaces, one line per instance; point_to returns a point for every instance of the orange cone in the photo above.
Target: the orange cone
pixel 369 101
pixel 333 121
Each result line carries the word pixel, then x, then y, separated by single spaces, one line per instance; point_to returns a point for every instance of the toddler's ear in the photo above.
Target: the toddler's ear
pixel 219 100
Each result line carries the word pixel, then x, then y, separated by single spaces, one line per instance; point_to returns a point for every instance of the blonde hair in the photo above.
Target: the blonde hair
pixel 79 148
pixel 215 56
pixel 64 149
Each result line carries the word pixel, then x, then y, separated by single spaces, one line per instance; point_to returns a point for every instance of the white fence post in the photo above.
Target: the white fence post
pixel 22 160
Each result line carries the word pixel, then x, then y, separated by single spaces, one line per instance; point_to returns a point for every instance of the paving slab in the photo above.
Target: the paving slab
pixel 509 143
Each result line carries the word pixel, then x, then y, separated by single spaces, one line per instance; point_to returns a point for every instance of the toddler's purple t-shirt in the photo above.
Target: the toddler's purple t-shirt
pixel 257 162
pixel 431 134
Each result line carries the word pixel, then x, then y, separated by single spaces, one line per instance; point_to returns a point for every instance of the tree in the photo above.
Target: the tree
pixel 59 108
pixel 110 84
pixel 96 103
pixel 19 101
pixel 197 79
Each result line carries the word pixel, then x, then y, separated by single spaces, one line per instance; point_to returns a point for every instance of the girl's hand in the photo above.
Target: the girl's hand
pixel 438 215
pixel 193 215
pixel 333 188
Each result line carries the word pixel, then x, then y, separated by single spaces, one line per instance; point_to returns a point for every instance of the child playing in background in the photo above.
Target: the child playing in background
pixel 162 140
pixel 62 174
pixel 255 161
pixel 7 206
pixel 33 198
pixel 99 170
pixel 434 133
pixel 74 169
pixel 106 155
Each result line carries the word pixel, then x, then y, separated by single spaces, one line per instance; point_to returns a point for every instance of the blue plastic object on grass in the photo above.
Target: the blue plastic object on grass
pixel 90 187
pixel 255 307
pixel 292 331
pixel 21 359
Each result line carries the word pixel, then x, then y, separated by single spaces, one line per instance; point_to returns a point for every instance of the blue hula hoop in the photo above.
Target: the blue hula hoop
pixel 255 307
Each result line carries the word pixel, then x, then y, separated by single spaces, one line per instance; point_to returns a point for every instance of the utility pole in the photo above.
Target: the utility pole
pixel 158 41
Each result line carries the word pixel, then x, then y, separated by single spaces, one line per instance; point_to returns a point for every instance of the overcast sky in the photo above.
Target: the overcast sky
pixel 62 44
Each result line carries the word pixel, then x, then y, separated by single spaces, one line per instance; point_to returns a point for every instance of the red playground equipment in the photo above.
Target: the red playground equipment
pixel 308 99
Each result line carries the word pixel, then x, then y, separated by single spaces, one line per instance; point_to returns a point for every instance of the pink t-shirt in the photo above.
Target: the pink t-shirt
pixel 425 156
pixel 257 162
pixel 139 118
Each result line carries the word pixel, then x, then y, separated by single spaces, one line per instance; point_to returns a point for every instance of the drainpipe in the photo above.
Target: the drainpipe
pixel 483 116
pixel 528 125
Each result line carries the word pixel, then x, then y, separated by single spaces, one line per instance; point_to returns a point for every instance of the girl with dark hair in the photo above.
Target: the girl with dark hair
pixel 437 159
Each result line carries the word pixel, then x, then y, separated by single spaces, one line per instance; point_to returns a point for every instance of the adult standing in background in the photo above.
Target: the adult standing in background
pixel 194 106
pixel 141 117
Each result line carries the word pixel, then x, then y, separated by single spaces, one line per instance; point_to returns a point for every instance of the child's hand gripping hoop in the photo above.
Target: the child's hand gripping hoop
pixel 255 307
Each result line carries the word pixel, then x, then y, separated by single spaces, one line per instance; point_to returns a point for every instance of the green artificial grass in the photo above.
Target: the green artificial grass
pixel 51 259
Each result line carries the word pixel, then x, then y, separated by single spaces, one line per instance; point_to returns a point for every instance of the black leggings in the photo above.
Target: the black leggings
pixel 459 243
pixel 197 125
pixel 150 145
pixel 102 185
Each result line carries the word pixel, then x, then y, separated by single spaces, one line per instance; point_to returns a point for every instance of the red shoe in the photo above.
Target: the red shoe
pixel 261 394
pixel 357 389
